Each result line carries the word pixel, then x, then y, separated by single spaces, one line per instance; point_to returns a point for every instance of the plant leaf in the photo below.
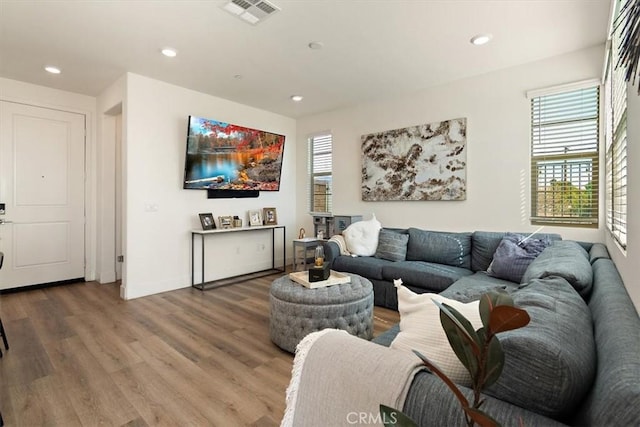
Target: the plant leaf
pixel 393 417
pixel 491 300
pixel 462 324
pixel 481 418
pixel 505 318
pixel 433 368
pixel 494 363
pixel 461 343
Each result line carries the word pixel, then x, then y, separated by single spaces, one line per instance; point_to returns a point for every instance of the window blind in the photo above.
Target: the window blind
pixel 616 147
pixel 320 172
pixel 564 157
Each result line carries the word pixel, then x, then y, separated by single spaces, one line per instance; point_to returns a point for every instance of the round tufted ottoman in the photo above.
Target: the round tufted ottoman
pixel 297 311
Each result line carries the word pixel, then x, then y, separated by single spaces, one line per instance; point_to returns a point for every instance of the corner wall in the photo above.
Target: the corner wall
pixel 498 124
pixel 109 105
pixel 160 213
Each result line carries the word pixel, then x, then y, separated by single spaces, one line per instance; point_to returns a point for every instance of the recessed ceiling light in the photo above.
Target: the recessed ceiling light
pixel 296 98
pixel 481 39
pixel 316 45
pixel 53 70
pixel 169 52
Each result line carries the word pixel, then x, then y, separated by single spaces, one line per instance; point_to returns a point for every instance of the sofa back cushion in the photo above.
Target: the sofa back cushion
pixel 566 259
pixel 485 243
pixel 440 247
pixel 550 363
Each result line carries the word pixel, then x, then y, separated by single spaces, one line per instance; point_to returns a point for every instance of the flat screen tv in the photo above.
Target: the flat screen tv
pixel 223 156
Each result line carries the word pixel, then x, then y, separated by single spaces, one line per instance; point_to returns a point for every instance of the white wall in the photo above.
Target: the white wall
pixel 41 96
pixel 157 244
pixel 627 262
pixel 498 116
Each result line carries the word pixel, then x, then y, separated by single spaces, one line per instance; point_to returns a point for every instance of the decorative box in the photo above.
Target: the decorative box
pixel 317 274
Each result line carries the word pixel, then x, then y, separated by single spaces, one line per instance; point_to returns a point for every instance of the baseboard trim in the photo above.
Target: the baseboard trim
pixel 41 286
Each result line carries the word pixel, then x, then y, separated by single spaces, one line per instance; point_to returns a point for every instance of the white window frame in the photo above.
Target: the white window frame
pixel 322 169
pixel 552 160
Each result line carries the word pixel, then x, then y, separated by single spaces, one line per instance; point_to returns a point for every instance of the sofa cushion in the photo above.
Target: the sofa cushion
pixel 369 267
pixel 514 254
pixel 485 243
pixel 392 245
pixel 362 237
pixel 421 330
pixel 472 287
pixel 423 275
pixel 440 247
pixel 566 259
pixel 550 363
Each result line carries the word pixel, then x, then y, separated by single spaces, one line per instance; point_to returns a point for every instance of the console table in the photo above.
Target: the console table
pixel 242 277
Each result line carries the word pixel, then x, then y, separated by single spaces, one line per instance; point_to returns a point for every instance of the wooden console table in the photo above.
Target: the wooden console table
pixel 242 277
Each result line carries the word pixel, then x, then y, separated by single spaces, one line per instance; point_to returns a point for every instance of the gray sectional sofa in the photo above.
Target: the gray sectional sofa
pixel 429 261
pixel 576 363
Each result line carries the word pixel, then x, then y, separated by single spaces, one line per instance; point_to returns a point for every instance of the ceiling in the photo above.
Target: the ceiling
pixel 372 48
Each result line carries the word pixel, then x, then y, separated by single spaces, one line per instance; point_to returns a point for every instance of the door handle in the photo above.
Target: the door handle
pixel 4 221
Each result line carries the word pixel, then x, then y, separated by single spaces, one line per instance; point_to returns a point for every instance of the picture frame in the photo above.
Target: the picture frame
pixel 255 217
pixel 207 222
pixel 270 216
pixel 225 221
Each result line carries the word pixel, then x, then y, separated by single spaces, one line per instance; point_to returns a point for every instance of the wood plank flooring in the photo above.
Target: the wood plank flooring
pixel 79 355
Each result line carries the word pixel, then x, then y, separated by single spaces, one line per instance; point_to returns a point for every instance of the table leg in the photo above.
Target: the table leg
pixel 202 283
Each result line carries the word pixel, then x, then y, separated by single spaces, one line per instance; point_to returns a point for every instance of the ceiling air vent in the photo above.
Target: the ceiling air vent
pixel 251 11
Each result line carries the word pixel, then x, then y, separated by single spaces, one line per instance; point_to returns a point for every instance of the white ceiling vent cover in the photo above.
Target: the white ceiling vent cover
pixel 251 11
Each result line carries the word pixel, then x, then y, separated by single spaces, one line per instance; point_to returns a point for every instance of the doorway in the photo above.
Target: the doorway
pixel 42 185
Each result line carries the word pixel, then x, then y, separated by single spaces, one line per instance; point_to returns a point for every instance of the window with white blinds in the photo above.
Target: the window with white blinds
pixel 616 147
pixel 564 157
pixel 320 172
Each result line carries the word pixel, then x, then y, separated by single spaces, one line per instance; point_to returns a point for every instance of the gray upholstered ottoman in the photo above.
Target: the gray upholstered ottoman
pixel 297 311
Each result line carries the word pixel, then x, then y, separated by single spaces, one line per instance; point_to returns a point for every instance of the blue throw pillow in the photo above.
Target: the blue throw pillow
pixel 513 256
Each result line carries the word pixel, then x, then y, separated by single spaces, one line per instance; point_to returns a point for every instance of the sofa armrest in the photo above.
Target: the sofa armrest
pixel 331 252
pixel 431 403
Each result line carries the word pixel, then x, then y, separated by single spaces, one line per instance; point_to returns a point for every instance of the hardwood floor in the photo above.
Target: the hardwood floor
pixel 79 355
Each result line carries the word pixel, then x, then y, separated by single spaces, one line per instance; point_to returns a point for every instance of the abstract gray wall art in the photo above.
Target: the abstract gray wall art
pixel 424 162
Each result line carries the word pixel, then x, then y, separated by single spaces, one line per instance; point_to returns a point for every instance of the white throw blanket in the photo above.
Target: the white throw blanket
pixel 341 380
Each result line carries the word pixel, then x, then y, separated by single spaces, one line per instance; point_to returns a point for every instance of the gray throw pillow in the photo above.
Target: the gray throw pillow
pixel 513 256
pixel 550 364
pixel 566 259
pixel 392 245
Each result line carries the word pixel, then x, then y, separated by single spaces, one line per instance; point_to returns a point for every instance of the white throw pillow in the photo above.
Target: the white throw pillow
pixel 421 330
pixel 362 237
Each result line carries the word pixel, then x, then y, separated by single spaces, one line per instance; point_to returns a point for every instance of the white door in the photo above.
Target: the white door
pixel 42 186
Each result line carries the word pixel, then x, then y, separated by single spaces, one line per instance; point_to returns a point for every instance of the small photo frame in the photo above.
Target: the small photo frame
pixel 270 217
pixel 225 221
pixel 206 219
pixel 255 217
